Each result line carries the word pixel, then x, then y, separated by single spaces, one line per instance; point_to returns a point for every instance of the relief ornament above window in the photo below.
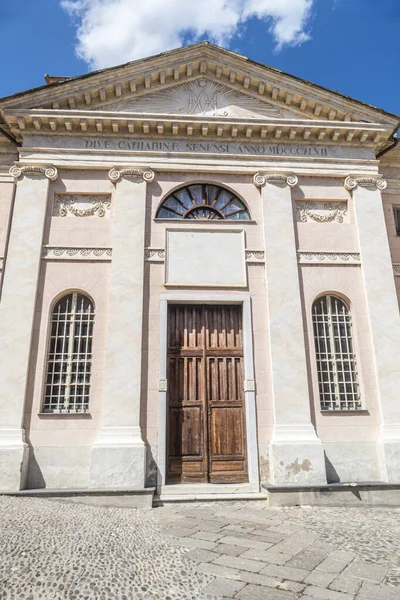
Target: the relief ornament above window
pixel 80 205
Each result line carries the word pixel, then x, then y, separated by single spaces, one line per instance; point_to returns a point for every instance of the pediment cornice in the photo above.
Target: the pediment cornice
pixel 99 91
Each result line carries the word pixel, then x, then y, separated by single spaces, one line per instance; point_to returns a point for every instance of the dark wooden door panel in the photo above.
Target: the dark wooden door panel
pixel 206 423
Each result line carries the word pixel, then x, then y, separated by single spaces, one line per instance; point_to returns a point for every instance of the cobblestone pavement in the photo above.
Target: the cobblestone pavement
pixel 247 551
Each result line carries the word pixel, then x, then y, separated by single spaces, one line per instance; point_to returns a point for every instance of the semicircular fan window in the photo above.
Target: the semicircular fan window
pixel 204 202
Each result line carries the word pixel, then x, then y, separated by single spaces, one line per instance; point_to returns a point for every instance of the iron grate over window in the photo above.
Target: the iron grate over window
pixel 336 363
pixel 69 359
pixel 396 212
pixel 205 202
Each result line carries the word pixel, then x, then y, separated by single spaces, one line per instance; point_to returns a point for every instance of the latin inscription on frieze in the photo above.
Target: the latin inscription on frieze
pixel 205 147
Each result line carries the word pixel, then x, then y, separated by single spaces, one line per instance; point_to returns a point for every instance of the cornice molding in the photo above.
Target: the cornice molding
pixel 260 180
pixel 116 175
pixel 49 171
pixel 98 123
pixel 351 183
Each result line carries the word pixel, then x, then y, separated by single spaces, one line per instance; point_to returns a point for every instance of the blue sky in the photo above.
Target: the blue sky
pixel 354 45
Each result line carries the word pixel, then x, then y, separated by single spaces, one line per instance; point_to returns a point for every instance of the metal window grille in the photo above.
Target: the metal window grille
pixel 336 363
pixel 70 356
pixel 396 212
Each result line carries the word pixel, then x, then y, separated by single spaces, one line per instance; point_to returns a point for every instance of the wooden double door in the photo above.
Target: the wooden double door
pixel 206 413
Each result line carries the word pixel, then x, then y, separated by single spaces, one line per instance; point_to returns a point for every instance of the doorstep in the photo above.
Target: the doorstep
pixel 208 492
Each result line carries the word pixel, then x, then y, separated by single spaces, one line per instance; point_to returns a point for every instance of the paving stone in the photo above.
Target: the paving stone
pixel 201 556
pixel 277 558
pixel 268 536
pixel 310 557
pixel 255 554
pixel 218 570
pixel 223 587
pixel 292 586
pixel 179 532
pixel 343 555
pixel 345 583
pixel 236 562
pixel 285 572
pixel 296 542
pixel 329 565
pixel 320 578
pixel 368 571
pixel 227 549
pixel 256 592
pixel 206 536
pixel 245 542
pixel 190 542
pixel 239 528
pixel 321 594
pixel 257 579
pixel 371 591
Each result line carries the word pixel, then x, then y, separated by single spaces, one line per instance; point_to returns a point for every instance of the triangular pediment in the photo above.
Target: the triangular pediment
pixel 201 81
pixel 202 98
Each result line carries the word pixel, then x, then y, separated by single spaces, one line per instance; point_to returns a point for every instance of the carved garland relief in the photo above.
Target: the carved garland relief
pixel 322 212
pixel 80 205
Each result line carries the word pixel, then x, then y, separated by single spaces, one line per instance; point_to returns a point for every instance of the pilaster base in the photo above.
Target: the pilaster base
pixel 14 456
pixel 388 447
pixel 296 456
pixel 118 459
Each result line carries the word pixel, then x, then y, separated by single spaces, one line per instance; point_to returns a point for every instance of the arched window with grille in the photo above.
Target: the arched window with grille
pixel 336 362
pixel 205 202
pixel 69 360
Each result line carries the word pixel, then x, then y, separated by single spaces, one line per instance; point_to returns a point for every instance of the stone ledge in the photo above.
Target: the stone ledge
pixel 334 494
pixel 122 497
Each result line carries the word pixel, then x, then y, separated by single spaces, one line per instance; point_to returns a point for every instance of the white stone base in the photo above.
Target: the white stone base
pixel 296 456
pixel 388 448
pixel 118 459
pixel 13 467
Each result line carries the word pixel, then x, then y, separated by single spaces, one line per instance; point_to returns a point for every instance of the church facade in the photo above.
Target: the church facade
pixel 200 276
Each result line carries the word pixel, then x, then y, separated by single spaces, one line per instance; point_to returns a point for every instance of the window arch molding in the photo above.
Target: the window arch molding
pixel 336 352
pixel 237 203
pixel 69 353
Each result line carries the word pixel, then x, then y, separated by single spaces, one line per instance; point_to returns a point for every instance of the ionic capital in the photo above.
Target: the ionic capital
pixel 116 175
pixel 50 172
pixel 260 180
pixel 351 183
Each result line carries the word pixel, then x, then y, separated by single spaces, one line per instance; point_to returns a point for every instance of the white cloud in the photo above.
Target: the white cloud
pixel 110 32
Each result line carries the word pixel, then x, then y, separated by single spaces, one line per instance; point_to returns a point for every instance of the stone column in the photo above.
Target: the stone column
pixel 383 313
pixel 17 310
pixel 119 455
pixel 296 453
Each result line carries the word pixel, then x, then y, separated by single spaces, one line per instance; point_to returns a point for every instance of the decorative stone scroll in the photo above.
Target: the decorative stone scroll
pixel 79 205
pixel 349 258
pixel 321 212
pixel 65 253
pixel 50 172
pixel 352 182
pixel 259 180
pixel 396 269
pixel 154 254
pixel 115 175
pixel 255 256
